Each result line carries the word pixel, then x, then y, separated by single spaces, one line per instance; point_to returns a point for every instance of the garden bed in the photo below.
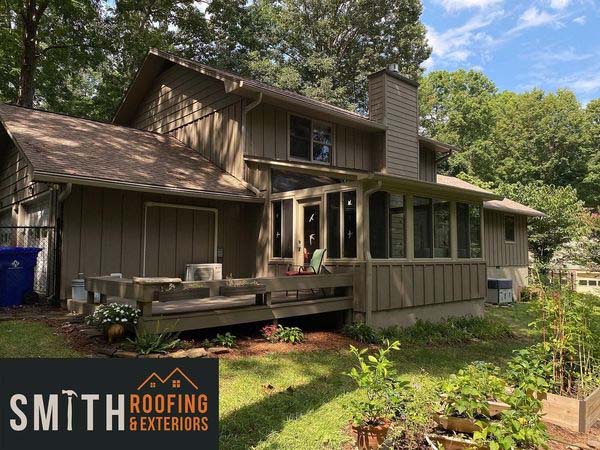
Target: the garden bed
pixel 572 413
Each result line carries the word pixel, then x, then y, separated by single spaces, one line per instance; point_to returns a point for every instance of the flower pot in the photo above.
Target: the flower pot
pixel 115 332
pixel 370 437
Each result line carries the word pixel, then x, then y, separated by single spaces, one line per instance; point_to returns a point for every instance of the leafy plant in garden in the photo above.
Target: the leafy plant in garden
pixel 114 313
pixel 225 340
pixel 520 426
pixel 375 375
pixel 269 332
pixel 146 342
pixel 279 333
pixel 531 368
pixel 361 332
pixel 466 394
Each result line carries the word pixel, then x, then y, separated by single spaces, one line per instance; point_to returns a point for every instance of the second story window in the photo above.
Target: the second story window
pixel 310 140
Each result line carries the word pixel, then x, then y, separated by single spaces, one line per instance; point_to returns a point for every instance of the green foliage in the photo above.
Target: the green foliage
pixel 518 427
pixel 225 340
pixel 564 211
pixel 466 393
pixel 376 376
pixel 454 330
pixel 530 369
pixel 361 332
pixel 569 323
pixel 279 333
pixel 114 313
pixel 146 342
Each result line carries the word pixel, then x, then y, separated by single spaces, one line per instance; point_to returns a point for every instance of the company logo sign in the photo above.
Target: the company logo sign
pixel 104 403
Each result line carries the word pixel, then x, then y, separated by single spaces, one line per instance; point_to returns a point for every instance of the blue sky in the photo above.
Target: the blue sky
pixel 519 44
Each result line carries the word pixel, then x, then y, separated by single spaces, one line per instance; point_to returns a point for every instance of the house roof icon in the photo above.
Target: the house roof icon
pixel 154 377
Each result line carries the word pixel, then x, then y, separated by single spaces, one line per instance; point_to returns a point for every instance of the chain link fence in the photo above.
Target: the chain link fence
pixel 40 237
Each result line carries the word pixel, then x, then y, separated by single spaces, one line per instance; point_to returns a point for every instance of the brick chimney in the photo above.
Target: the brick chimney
pixel 393 102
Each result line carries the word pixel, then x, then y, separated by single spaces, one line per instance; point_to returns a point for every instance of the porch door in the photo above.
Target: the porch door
pixel 310 231
pixel 176 236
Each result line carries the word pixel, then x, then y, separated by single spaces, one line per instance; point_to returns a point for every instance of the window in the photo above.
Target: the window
pixel 282 238
pixel 441 229
pixel 423 227
pixel 592 283
pixel 176 384
pixel 310 140
pixel 397 217
pixel 509 228
pixel 468 221
pixel 333 224
pixel 582 282
pixel 349 238
pixel 284 181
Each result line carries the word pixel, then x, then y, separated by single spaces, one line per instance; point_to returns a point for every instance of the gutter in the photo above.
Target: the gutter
pixel 367 251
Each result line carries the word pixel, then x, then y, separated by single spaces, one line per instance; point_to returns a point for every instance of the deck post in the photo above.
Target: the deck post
pixel 90 297
pixel 145 307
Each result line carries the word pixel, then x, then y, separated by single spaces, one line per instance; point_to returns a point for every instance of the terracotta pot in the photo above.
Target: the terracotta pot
pixel 370 437
pixel 115 332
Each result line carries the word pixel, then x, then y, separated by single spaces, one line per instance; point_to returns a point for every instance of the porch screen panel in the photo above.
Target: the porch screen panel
pixel 475 231
pixel 277 222
pixel 378 224
pixel 287 242
pixel 423 227
pixel 397 226
pixel 349 199
pixel 441 229
pixel 333 224
pixel 468 221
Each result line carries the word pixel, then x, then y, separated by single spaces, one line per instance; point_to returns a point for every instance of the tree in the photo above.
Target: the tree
pixel 590 186
pixel 47 42
pixel 326 48
pixel 564 221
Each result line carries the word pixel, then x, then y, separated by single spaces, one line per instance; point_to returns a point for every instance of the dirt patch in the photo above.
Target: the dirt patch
pixel 314 340
pixel 563 439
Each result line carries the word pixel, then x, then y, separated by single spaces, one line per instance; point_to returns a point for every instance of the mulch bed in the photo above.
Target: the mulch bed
pixel 565 439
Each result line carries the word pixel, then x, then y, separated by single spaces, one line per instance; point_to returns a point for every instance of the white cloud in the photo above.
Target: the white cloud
pixel 455 5
pixel 552 55
pixel 580 20
pixel 533 17
pixel 590 83
pixel 559 4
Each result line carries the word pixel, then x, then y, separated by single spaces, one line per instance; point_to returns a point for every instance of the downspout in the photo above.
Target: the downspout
pixel 367 251
pixel 58 222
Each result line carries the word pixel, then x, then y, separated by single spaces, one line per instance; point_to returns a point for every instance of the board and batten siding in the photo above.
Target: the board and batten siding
pixel 267 132
pixel 103 233
pixel 195 109
pixel 393 102
pixel 498 252
pixel 427 165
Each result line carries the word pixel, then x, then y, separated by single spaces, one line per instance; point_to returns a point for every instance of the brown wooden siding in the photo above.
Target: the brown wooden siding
pixel 267 137
pixel 498 252
pixel 427 165
pixel 409 284
pixel 103 233
pixel 393 102
pixel 195 109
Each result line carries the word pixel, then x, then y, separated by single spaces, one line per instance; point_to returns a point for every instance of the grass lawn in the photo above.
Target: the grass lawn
pixel 312 414
pixel 20 339
pixel 294 400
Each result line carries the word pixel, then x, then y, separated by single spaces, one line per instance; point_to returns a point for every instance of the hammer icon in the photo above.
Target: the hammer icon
pixel 70 393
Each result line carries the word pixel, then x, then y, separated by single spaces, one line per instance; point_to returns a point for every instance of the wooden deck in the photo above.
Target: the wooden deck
pixel 173 305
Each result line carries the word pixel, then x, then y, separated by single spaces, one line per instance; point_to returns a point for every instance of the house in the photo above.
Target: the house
pixel 202 165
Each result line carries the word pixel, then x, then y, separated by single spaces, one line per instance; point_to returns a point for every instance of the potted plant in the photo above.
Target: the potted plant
pixel 115 320
pixel 376 378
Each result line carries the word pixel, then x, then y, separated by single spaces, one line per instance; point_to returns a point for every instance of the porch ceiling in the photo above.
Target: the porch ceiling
pixel 61 148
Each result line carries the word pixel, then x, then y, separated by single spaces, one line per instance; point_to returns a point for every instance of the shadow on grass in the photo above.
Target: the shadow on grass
pixel 248 426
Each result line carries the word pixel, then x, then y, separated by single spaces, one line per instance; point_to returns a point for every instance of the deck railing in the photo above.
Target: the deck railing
pixel 145 291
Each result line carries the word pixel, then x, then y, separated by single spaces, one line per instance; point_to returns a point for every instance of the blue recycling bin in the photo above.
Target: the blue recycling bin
pixel 17 265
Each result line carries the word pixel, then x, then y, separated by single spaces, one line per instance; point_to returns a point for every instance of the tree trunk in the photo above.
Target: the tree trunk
pixel 30 15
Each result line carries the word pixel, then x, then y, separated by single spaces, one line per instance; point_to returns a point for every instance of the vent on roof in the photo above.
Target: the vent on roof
pixel 394 67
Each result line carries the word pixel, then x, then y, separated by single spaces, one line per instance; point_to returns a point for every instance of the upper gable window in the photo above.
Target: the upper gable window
pixel 310 140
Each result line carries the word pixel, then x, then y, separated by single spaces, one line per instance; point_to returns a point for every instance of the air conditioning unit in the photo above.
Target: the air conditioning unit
pixel 203 272
pixel 499 291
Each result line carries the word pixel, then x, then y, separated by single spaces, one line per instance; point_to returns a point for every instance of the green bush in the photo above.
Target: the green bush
pixel 531 368
pixel 292 335
pixel 361 332
pixel 114 313
pixel 225 340
pixel 146 342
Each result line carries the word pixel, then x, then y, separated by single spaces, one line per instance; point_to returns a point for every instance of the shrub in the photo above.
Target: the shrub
pixel 531 368
pixel 361 332
pixel 375 375
pixel 225 340
pixel 114 313
pixel 279 333
pixel 146 342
